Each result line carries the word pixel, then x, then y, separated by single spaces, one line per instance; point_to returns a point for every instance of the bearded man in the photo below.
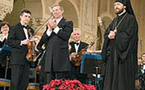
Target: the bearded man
pixel 120 49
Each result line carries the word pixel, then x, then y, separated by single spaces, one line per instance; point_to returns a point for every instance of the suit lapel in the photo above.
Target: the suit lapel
pixel 74 46
pixel 61 22
pixel 21 30
pixel 79 49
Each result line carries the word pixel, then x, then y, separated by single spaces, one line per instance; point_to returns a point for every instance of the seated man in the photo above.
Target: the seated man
pixel 76 47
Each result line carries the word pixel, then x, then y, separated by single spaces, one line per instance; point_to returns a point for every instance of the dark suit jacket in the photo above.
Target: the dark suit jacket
pixel 81 46
pixel 57 53
pixel 2 43
pixel 18 53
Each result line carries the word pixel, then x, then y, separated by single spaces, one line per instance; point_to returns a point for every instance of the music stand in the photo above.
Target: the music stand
pixel 6 48
pixel 92 64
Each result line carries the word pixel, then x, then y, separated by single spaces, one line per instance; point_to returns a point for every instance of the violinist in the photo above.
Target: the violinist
pixel 18 39
pixel 76 47
pixel 4 54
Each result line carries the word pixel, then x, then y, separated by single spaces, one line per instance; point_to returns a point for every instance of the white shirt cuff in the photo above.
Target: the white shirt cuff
pixel 48 32
pixel 56 30
pixel 21 43
pixel 2 39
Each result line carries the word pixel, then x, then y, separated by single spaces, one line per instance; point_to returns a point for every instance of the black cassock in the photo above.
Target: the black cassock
pixel 120 54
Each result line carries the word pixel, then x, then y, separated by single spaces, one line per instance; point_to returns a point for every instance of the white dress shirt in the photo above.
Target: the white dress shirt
pixel 77 46
pixel 26 33
pixel 56 30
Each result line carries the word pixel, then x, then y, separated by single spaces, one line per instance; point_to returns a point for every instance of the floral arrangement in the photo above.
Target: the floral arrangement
pixel 68 85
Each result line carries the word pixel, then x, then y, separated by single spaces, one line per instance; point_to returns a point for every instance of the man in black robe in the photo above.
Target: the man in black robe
pixel 120 49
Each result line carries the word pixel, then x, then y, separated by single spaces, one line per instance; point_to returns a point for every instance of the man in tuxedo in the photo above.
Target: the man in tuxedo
pixel 18 39
pixel 57 34
pixel 76 47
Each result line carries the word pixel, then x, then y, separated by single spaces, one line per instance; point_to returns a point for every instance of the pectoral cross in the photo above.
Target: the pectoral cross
pixel 115 30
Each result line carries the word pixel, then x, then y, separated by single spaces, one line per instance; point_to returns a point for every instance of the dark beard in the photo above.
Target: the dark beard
pixel 120 11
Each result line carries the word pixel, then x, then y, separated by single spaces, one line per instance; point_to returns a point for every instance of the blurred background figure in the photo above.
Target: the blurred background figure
pixel 141 72
pixel 4 29
pixel 143 58
pixel 5 54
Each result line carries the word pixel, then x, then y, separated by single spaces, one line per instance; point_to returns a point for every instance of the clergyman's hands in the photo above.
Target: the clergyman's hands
pixel 111 35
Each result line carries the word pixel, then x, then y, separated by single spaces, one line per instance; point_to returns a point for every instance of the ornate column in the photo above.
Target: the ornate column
pixel 6 7
pixel 88 20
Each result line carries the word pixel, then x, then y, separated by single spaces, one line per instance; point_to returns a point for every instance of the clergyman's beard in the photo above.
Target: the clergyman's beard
pixel 119 11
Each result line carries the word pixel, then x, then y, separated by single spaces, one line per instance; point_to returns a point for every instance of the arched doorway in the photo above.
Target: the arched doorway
pixel 70 11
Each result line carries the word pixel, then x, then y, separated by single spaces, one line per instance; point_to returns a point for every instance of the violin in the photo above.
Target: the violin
pixel 31 55
pixel 78 57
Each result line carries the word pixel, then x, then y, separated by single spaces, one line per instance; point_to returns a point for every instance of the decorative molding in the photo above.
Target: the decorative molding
pixel 4 10
pixel 36 23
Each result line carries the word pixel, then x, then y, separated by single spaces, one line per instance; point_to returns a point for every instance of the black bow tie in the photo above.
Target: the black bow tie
pixel 77 43
pixel 26 27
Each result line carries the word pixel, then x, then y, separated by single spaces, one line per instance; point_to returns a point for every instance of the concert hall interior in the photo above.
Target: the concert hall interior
pixel 92 17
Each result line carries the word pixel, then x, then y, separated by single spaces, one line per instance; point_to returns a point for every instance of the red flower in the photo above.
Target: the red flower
pixel 47 87
pixel 90 87
pixel 67 85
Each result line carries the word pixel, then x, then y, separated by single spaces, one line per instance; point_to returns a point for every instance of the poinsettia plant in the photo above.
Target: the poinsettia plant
pixel 68 85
